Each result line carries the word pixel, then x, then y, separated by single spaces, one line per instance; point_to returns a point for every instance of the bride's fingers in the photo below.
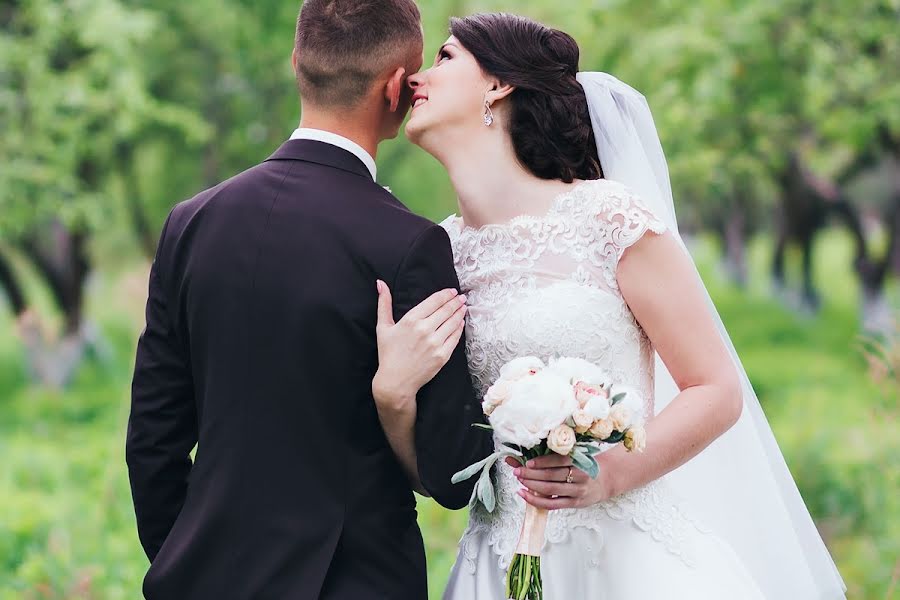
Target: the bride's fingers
pixel 430 304
pixel 451 325
pixel 555 474
pixel 385 305
pixel 443 313
pixel 548 503
pixel 550 489
pixel 550 461
pixel 452 340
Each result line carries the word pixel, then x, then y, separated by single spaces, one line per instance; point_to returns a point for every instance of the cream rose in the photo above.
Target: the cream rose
pixel 583 421
pixel 536 405
pixel 635 438
pixel 496 395
pixel 561 440
pixel 521 367
pixel 601 429
pixel 620 416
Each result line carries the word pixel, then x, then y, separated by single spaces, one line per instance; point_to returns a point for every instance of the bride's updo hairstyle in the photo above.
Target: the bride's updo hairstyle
pixel 549 121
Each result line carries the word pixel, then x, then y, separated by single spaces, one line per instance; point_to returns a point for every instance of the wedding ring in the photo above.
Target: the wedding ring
pixel 569 476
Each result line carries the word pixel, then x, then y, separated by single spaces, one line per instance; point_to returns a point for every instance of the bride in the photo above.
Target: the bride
pixel 567 245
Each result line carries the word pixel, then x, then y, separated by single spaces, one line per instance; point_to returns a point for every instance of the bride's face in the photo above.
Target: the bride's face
pixel 449 96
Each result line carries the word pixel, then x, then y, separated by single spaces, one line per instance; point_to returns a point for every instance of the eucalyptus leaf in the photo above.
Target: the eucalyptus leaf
pixel 471 470
pixel 587 464
pixel 616 399
pixel 486 490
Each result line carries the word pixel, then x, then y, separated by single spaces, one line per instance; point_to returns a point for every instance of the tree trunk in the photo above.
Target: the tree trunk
pixel 142 229
pixel 60 256
pixel 736 246
pixel 9 283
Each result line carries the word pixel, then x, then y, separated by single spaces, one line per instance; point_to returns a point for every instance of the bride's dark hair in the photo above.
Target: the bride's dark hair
pixel 549 121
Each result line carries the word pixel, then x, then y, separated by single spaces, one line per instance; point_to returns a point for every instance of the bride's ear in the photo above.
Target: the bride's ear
pixel 498 92
pixel 394 88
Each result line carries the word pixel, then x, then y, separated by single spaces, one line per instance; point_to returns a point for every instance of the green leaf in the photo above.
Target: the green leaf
pixel 486 490
pixel 471 470
pixel 616 399
pixel 587 464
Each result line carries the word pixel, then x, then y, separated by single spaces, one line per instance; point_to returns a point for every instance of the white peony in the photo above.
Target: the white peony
pixel 597 408
pixel 536 405
pixel 521 367
pixel 574 370
pixel 495 396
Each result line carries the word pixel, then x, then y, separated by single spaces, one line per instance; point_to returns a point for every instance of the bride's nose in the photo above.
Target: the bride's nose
pixel 416 81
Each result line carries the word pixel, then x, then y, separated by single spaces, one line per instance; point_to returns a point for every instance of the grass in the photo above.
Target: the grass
pixel 67 529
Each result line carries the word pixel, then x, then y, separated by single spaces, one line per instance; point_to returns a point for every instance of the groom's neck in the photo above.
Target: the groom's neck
pixel 355 126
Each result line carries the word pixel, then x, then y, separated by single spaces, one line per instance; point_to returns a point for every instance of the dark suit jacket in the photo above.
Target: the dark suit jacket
pixel 260 348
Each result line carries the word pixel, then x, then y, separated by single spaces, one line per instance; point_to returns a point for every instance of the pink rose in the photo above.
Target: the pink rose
pixel 585 392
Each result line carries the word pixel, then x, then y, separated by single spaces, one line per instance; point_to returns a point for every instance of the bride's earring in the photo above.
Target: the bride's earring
pixel 488 115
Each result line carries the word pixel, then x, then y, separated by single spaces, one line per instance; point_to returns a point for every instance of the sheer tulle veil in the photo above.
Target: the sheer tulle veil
pixel 740 485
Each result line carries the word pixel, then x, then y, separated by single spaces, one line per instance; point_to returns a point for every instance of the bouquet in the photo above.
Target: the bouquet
pixel 569 407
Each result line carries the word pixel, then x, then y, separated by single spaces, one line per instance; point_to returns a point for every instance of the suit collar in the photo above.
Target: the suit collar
pixel 321 153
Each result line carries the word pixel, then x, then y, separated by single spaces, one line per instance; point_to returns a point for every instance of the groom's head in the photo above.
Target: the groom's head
pixel 355 55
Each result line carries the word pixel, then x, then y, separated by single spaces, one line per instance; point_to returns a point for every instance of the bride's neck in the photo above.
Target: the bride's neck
pixel 491 185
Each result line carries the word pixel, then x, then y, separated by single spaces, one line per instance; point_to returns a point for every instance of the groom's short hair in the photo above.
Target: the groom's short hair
pixel 343 45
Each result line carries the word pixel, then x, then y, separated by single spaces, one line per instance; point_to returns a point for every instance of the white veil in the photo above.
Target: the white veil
pixel 740 485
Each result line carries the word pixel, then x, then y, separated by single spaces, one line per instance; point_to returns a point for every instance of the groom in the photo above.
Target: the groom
pixel 260 349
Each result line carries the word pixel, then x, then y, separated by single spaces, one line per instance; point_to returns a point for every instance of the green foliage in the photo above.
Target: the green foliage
pixel 74 95
pixel 68 526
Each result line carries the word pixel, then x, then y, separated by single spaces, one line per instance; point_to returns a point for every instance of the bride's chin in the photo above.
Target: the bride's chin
pixel 419 135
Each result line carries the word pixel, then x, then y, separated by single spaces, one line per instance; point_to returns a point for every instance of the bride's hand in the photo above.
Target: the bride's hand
pixel 413 350
pixel 544 481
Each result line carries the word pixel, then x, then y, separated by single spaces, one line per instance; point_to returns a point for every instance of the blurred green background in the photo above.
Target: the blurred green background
pixel 781 121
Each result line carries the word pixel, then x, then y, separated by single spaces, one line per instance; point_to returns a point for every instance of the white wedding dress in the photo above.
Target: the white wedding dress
pixel 546 286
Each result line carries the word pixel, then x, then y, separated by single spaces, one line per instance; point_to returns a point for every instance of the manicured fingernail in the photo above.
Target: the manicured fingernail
pixel 378 285
pixel 517 472
pixel 530 464
pixel 522 493
pixel 462 298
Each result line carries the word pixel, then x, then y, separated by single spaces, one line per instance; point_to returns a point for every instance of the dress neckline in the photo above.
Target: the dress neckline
pixel 524 218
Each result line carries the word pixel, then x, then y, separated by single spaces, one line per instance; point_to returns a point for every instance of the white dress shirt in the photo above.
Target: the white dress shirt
pixel 305 133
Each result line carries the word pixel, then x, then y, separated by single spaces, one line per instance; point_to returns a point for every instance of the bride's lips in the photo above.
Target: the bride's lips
pixel 418 100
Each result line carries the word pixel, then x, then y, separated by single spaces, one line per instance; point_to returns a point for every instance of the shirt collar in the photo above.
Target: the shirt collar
pixel 305 133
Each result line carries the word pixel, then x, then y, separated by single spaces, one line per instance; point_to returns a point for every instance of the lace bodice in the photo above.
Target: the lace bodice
pixel 546 286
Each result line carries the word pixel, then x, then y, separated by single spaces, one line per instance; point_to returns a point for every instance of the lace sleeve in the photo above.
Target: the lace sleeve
pixel 622 218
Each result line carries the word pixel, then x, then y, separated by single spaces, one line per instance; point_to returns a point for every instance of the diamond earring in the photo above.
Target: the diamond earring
pixel 488 115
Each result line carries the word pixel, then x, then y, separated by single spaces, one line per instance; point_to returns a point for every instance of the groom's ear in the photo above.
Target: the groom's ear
pixel 393 91
pixel 499 91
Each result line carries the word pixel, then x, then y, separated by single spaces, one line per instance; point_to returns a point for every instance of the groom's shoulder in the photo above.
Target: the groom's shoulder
pixel 243 184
